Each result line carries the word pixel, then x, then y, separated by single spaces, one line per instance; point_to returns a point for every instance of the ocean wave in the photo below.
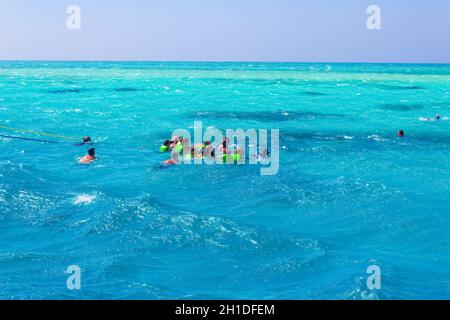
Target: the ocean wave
pixel 147 225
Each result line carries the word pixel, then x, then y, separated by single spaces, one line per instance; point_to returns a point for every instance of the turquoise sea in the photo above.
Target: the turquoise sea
pixel 349 193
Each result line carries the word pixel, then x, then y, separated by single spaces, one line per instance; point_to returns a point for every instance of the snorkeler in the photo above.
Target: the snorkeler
pixel 401 134
pixel 90 157
pixel 438 117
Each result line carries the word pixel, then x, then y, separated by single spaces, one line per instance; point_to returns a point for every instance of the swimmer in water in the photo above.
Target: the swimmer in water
pixel 223 146
pixel 436 118
pixel 185 143
pixel 179 143
pixel 174 142
pixel 263 156
pixel 401 134
pixel 90 157
pixel 192 154
pixel 175 159
pixel 208 151
pixel 165 147
pixel 86 140
pixel 199 149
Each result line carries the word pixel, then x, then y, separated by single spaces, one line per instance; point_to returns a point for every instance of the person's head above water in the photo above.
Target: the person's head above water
pixel 264 152
pixel 86 139
pixel 166 143
pixel 438 117
pixel 224 142
pixel 401 134
pixel 91 152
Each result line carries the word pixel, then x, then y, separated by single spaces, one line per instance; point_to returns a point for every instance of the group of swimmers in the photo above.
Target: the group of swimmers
pixel 180 147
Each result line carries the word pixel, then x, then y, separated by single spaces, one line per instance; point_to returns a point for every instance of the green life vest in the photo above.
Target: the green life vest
pixel 163 148
pixel 179 148
pixel 229 158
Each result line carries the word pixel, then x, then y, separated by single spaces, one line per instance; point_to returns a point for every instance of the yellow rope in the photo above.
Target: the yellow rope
pixel 39 133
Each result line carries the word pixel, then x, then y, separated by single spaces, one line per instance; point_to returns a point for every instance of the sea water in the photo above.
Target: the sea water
pixel 349 194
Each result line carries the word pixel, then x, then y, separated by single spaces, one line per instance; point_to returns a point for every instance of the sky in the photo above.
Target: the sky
pixel 226 30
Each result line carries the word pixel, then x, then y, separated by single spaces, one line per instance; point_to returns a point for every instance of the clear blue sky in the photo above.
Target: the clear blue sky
pixel 226 30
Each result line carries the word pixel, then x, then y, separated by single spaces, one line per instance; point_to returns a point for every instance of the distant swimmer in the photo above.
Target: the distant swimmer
pixel 436 118
pixel 401 134
pixel 86 140
pixel 90 157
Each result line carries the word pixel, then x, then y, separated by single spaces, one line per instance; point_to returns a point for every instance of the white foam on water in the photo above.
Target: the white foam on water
pixel 376 138
pixel 84 199
pixel 433 119
pixel 76 110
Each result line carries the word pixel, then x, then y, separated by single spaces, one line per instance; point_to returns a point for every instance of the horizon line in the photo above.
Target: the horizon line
pixel 224 61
